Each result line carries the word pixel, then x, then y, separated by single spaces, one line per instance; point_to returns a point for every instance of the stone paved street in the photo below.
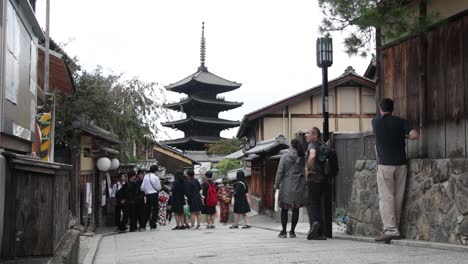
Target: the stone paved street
pixel 256 245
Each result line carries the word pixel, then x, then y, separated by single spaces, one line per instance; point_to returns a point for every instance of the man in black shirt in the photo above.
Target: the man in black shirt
pixel 317 186
pixel 390 133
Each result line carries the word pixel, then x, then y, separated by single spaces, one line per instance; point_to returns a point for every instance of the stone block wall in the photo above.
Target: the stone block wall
pixel 435 205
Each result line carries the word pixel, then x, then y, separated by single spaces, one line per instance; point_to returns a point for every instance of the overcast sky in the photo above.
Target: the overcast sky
pixel 267 45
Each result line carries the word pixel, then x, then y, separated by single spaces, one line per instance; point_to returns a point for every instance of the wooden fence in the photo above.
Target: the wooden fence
pixel 36 206
pixel 350 147
pixel 427 76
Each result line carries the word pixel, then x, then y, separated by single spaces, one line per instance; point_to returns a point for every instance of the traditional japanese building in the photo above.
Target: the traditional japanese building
pixel 202 106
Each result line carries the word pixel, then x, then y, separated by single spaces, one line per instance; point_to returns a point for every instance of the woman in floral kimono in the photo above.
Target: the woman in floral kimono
pixel 224 197
pixel 163 200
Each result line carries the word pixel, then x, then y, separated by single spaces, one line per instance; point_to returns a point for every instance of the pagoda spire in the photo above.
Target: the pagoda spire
pixel 203 50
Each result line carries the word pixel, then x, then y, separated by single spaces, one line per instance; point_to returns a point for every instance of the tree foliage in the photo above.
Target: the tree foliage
pixel 225 147
pixel 226 165
pixel 127 108
pixel 362 17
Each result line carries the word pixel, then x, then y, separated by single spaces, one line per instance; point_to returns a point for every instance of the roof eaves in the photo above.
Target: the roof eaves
pixel 297 97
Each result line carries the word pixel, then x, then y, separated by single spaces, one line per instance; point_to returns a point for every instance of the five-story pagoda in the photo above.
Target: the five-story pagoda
pixel 202 105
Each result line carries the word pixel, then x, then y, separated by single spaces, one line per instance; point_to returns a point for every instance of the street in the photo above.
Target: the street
pixel 255 245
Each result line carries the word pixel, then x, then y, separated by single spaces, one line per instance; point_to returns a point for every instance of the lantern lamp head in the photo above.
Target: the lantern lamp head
pixel 103 164
pixel 114 164
pixel 324 52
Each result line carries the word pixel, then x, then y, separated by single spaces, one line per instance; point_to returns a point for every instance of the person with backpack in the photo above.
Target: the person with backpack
pixel 210 197
pixel 241 201
pixel 317 185
pixel 290 180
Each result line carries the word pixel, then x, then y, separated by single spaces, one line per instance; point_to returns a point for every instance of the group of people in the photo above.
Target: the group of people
pixel 301 181
pixel 141 198
pixel 202 198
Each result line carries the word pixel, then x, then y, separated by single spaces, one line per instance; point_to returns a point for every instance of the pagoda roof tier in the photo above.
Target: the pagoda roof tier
pixel 210 121
pixel 194 101
pixel 193 142
pixel 203 80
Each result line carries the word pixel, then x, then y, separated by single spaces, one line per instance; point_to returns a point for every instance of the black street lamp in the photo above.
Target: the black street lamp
pixel 325 60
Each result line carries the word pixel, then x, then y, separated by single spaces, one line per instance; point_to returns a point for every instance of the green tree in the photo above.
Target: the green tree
pixel 127 108
pixel 371 21
pixel 226 165
pixel 225 147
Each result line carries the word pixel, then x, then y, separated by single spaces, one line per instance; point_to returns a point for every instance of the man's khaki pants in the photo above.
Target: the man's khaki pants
pixel 391 181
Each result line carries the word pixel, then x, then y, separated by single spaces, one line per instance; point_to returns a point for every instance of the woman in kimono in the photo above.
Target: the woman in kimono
pixel 224 197
pixel 163 200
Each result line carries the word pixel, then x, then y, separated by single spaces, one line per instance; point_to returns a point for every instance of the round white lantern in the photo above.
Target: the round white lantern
pixel 103 164
pixel 114 164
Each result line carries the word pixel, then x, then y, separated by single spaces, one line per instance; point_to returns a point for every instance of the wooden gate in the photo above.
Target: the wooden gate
pixel 350 147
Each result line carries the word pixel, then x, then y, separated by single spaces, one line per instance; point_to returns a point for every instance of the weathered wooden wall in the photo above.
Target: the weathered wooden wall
pixel 36 207
pixel 427 76
pixel 257 178
pixel 350 147
pixel 271 166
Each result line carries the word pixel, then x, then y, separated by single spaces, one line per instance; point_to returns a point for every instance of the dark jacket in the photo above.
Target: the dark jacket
pixel 121 194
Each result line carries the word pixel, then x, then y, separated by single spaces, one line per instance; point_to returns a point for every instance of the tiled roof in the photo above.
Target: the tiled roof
pixel 204 77
pixel 235 155
pixel 176 151
pixel 266 146
pixel 200 139
pixel 203 156
pixel 206 120
pixel 194 99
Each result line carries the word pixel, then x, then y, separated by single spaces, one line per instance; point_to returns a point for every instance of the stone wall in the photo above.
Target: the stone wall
pixel 435 205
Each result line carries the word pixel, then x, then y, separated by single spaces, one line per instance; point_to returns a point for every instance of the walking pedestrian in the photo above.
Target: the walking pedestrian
pixel 210 200
pixel 317 186
pixel 132 197
pixel 290 180
pixel 140 202
pixel 178 199
pixel 241 201
pixel 390 133
pixel 119 206
pixel 225 197
pixel 151 186
pixel 194 199
pixel 121 198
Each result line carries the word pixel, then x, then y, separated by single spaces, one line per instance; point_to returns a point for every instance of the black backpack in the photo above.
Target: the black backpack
pixel 329 161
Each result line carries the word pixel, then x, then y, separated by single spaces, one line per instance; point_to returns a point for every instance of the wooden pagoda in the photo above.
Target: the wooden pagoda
pixel 202 105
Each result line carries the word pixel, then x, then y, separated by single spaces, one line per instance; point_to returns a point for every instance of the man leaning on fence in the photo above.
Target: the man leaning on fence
pixel 390 133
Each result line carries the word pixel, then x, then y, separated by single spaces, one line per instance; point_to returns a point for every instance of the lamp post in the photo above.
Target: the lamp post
pixel 325 60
